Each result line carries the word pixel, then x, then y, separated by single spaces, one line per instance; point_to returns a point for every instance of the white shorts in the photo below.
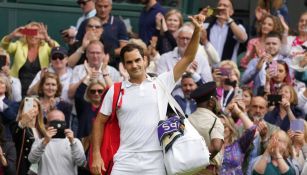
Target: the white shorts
pixel 144 163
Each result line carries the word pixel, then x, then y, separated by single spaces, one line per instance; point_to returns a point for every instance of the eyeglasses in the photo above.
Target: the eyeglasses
pixel 93 26
pixel 94 91
pixel 82 2
pixel 58 56
pixel 184 38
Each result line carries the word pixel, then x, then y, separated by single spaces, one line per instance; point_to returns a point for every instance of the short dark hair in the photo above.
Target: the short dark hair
pixel 275 35
pixel 186 75
pixel 129 48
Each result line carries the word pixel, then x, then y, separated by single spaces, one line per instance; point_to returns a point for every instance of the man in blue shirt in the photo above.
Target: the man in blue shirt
pixel 147 20
pixel 114 34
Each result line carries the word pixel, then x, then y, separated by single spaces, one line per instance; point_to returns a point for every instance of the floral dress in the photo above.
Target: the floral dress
pixel 234 153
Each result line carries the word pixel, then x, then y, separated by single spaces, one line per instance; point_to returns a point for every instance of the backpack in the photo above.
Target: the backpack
pixel 111 136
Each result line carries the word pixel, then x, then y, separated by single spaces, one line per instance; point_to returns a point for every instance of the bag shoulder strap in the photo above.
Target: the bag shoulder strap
pixel 171 101
pixel 116 94
pixel 212 126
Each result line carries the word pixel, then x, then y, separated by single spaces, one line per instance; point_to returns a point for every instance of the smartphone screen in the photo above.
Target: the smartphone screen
pixel 274 100
pixel 2 60
pixel 297 125
pixel 28 104
pixel 239 93
pixel 60 126
pixel 273 67
pixel 212 11
pixel 225 71
pixel 28 32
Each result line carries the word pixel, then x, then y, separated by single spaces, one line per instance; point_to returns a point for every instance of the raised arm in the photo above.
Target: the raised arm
pixel 190 52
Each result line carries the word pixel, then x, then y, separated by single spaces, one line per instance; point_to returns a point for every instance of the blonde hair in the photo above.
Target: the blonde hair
pixel 39 123
pixel 177 13
pixel 87 91
pixel 288 152
pixel 230 124
pixel 232 65
pixel 293 99
pixel 8 86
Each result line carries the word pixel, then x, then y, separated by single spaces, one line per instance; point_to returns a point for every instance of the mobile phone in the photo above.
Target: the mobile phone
pixel 274 99
pixel 60 126
pixel 212 11
pixel 297 125
pixel 230 83
pixel 273 68
pixel 28 104
pixel 225 71
pixel 2 60
pixel 239 93
pixel 28 32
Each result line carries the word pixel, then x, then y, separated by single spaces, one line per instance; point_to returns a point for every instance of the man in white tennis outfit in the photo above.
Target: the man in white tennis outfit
pixel 138 116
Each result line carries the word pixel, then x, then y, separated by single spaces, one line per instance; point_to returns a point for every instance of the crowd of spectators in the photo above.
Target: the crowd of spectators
pixel 246 95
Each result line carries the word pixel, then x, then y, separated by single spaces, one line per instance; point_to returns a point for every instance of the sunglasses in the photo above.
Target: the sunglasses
pixel 94 91
pixel 57 56
pixel 82 2
pixel 94 26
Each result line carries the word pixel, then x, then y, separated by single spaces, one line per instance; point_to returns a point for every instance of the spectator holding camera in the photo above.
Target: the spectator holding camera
pixel 31 51
pixel 285 109
pixel 277 158
pixel 256 68
pixel 29 126
pixel 224 32
pixel 227 77
pixel 276 77
pixel 58 152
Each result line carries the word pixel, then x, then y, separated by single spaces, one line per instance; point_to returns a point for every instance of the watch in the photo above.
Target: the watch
pixel 229 21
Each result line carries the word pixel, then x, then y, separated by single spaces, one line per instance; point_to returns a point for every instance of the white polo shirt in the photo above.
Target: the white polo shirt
pixel 138 115
pixel 79 73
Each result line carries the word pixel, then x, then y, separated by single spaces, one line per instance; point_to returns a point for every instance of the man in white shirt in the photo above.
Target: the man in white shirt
pixel 138 115
pixel 168 60
pixel 57 155
pixel 96 67
pixel 224 33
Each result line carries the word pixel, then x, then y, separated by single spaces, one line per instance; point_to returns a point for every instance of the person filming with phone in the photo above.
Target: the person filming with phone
pixel 225 33
pixel 285 106
pixel 31 51
pixel 58 152
pixel 29 125
pixel 256 68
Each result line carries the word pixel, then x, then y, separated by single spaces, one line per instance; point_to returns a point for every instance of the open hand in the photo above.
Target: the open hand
pixel 198 20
